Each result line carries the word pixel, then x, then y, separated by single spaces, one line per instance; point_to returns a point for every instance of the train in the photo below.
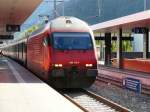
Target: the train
pixel 61 52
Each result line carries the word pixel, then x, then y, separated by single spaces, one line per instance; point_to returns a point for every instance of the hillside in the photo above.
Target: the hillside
pixel 109 9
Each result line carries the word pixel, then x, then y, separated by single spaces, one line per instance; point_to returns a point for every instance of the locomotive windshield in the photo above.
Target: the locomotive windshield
pixel 72 41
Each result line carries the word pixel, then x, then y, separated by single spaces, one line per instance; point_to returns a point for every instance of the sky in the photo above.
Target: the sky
pixel 45 8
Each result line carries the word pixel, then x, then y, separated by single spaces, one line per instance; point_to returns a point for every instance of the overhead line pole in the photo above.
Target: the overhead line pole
pixel 55 6
pixel 99 8
pixel 63 7
pixel 55 10
pixel 145 5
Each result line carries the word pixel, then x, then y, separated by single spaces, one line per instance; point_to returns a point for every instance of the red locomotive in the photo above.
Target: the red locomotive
pixel 61 52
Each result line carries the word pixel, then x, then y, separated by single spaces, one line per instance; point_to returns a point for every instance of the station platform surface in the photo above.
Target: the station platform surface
pixel 120 74
pixel 21 91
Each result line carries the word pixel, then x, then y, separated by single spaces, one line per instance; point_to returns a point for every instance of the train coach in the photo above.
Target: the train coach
pixel 62 53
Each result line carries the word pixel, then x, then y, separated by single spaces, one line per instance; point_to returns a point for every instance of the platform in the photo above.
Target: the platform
pixel 120 74
pixel 21 91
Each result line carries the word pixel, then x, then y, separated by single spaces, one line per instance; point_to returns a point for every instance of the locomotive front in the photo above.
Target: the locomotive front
pixel 74 62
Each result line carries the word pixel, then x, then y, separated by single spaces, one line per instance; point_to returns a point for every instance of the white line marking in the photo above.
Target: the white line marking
pixel 15 73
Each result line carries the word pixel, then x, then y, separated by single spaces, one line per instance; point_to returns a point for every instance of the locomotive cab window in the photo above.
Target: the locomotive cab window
pixel 46 41
pixel 72 41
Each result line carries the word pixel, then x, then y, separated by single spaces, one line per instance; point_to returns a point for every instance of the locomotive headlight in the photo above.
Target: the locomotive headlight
pixel 89 65
pixel 58 65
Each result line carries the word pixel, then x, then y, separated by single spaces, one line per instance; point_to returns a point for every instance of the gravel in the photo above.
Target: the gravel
pixel 131 100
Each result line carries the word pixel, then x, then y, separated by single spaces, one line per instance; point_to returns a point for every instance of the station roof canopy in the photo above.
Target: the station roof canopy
pixel 141 19
pixel 15 12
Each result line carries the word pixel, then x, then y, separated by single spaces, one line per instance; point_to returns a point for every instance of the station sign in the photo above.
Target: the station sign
pixel 114 38
pixel 139 30
pixel 12 28
pixel 132 84
pixel 6 37
pixel 1 42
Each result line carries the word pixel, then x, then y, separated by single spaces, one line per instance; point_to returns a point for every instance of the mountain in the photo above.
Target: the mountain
pixel 95 11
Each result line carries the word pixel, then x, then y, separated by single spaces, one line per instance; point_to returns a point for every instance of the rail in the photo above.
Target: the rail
pixel 90 102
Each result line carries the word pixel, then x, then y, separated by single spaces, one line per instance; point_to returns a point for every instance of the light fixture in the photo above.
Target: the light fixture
pixel 58 65
pixel 89 65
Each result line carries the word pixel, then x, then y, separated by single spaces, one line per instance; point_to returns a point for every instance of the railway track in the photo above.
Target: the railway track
pixel 90 102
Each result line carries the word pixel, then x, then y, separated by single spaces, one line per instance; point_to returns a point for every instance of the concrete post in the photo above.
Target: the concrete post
pixel 107 49
pixel 146 44
pixel 119 49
